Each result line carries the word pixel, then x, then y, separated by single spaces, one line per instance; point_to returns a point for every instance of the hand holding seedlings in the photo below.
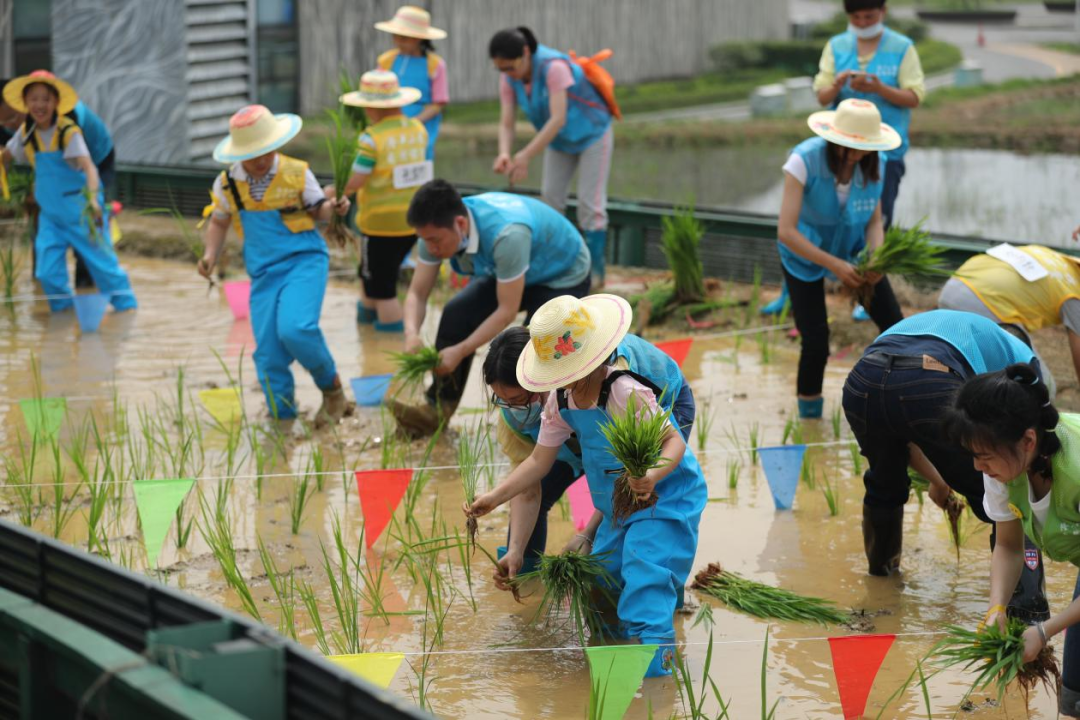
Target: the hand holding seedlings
pixel 506 569
pixel 450 358
pixel 481 506
pixel 643 486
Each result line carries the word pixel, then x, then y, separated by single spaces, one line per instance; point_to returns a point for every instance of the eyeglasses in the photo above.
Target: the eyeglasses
pixel 500 403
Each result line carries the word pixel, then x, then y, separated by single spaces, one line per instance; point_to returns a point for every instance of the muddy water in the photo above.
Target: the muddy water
pixel 482 673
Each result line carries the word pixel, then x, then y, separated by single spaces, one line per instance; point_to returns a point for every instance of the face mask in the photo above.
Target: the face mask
pixel 867 33
pixel 527 417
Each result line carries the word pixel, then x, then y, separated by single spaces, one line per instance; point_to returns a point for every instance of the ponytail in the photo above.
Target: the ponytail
pixel 994 410
pixel 426 46
pixel 510 44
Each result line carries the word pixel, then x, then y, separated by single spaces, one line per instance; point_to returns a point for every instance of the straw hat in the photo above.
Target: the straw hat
pixel 855 124
pixel 255 131
pixel 13 91
pixel 380 89
pixel 411 22
pixel 571 338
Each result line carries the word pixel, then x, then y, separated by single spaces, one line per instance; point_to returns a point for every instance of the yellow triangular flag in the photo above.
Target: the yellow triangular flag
pixel 377 668
pixel 223 404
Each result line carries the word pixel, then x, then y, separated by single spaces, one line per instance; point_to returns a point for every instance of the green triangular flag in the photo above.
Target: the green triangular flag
pixel 156 501
pixel 617 672
pixel 43 416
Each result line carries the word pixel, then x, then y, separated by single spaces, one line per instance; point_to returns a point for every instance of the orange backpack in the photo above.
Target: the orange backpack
pixel 600 78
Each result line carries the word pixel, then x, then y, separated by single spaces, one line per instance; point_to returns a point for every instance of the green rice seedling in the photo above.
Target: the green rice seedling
pixel 680 240
pixel 192 239
pixel 925 690
pixel 284 587
pixel 563 503
pixel 597 696
pixel 63 507
pixel 771 713
pixel 222 491
pixel 430 639
pixel 750 310
pixel 832 495
pixel 954 513
pixel 808 475
pixel 372 591
pixel 413 367
pixel 572 581
pixel 20 478
pixel 753 435
pixel 88 218
pixel 837 414
pixel 217 532
pixel 183 527
pixel 11 262
pixel 466 566
pixel 731 434
pixel 908 252
pixel 997 658
pixel 317 466
pixel 693 701
pixel 764 348
pixel 734 467
pixel 764 601
pixel 341 146
pixel 705 419
pixel 635 439
pixel 856 457
pixel 793 431
pixel 343 574
pixel 919 484
pixel 469 451
pixel 311 605
pixel 302 492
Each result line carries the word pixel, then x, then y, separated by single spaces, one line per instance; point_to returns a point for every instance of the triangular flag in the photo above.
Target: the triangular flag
pixel 90 309
pixel 43 416
pixel 377 668
pixel 617 672
pixel 238 295
pixel 677 349
pixel 581 504
pixel 782 467
pixel 223 404
pixel 156 501
pixel 241 339
pixel 370 390
pixel 380 492
pixel 856 661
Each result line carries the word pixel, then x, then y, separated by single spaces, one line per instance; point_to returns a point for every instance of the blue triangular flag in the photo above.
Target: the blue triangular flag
pixel 90 309
pixel 370 389
pixel 782 466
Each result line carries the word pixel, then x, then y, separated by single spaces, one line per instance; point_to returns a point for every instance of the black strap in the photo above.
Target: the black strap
pixel 63 134
pixel 232 189
pixel 29 129
pixel 605 389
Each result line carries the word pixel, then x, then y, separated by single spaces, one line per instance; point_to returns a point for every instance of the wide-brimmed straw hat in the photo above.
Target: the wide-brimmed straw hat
pixel 413 22
pixel 381 89
pixel 855 124
pixel 255 131
pixel 571 337
pixel 13 91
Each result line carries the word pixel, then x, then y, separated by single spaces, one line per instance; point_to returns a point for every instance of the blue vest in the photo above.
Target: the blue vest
pixel 96 135
pixel 556 243
pixel 839 233
pixel 587 115
pixel 886 66
pixel 413 72
pixel 984 345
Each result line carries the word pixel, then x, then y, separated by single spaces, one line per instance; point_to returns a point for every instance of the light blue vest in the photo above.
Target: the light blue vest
pixel 96 135
pixel 587 115
pixel 886 66
pixel 839 233
pixel 413 72
pixel 556 243
pixel 983 344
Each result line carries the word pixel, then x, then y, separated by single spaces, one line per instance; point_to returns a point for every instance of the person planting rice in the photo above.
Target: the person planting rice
pixel 68 190
pixel 649 554
pixel 831 210
pixel 389 167
pixel 573 129
pixel 1027 454
pixel 273 202
pixel 894 399
pixel 519 430
pixel 518 252
pixel 1031 286
pixel 414 62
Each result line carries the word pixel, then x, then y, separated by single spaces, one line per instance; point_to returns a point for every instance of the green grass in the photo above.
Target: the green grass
pixel 1066 47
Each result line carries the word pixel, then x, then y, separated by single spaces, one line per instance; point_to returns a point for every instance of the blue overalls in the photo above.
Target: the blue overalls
pixel 651 553
pixel 59 190
pixel 415 72
pixel 288 273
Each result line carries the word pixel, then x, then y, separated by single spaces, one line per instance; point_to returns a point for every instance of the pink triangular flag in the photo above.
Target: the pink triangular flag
pixel 581 504
pixel 238 295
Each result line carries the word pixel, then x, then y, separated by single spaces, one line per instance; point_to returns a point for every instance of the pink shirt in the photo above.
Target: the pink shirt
pixel 553 429
pixel 440 88
pixel 559 77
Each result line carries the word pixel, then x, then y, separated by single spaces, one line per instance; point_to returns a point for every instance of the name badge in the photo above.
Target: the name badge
pixel 1029 268
pixel 413 174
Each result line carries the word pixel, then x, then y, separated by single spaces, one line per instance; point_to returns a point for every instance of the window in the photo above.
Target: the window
pixel 31 32
pixel 278 55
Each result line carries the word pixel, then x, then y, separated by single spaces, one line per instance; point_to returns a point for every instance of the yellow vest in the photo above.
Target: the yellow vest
pixel 65 128
pixel 1013 299
pixel 285 193
pixel 399 140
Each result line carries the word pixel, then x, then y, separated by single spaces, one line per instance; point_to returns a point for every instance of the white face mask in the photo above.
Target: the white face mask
pixel 867 33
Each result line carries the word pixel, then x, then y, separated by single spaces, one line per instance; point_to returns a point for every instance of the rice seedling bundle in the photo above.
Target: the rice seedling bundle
pixel 635 440
pixel 907 252
pixel 681 237
pixel 412 367
pixel 346 124
pixel 468 456
pixel 997 656
pixel 765 601
pixel 954 510
pixel 575 582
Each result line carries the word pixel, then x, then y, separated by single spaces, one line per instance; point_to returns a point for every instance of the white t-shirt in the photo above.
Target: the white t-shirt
pixel 74 146
pixel 313 193
pixel 996 502
pixel 796 168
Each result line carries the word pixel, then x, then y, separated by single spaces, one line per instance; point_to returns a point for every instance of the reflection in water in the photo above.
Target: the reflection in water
pixel 806 550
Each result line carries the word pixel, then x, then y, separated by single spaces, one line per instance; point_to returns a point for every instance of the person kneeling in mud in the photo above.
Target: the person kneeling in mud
pixel 520 411
pixel 650 552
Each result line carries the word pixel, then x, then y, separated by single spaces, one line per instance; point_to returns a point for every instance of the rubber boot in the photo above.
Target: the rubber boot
pixel 333 405
pixel 859 314
pixel 596 241
pixel 365 315
pixel 777 306
pixel 811 409
pixel 1068 701
pixel 1028 602
pixel 883 538
pixel 390 327
pixel 663 661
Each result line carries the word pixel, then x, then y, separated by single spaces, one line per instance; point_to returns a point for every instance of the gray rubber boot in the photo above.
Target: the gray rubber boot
pixel 883 538
pixel 1068 702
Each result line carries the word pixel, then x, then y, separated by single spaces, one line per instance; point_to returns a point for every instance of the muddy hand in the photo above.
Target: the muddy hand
pixel 506 570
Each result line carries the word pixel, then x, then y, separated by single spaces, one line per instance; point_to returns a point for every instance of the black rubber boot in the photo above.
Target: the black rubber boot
pixel 82 274
pixel 883 538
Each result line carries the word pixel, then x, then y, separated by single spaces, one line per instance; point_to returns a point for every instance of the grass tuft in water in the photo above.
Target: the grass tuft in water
pixel 572 582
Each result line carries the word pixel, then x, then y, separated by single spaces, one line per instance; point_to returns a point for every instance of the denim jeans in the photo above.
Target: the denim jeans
pixel 1070 653
pixel 894 171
